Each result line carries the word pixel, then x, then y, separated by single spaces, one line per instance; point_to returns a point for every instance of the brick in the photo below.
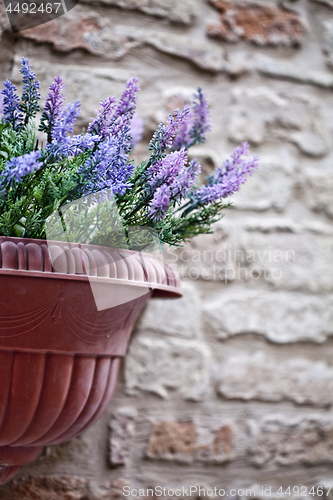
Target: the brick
pixel 121 435
pixel 264 378
pixel 261 251
pixel 278 316
pixel 89 31
pixel 181 12
pixel 287 257
pixel 296 118
pixel 180 442
pixel 201 54
pixel 270 188
pixel 318 191
pixel 257 23
pixel 76 30
pixel 157 366
pixel 307 440
pixel 207 257
pixel 240 63
pixel 281 70
pixel 181 317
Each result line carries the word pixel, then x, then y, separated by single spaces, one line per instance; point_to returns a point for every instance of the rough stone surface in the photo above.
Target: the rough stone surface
pixel 258 23
pixel 4 23
pixel 180 12
pixel 246 340
pixel 318 191
pixel 262 115
pixel 181 318
pixel 157 366
pixel 267 379
pixel 280 317
pixel 270 188
pixel 89 31
pixel 328 41
pixel 121 435
pixel 307 440
pixel 62 488
pixel 179 441
pixel 329 3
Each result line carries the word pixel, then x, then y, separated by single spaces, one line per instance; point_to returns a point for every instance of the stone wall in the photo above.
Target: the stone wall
pixel 231 386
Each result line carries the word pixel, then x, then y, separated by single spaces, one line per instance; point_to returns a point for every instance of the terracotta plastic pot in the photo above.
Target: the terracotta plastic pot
pixel 59 355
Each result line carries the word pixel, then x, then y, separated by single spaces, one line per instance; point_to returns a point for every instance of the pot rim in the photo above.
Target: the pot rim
pixel 158 289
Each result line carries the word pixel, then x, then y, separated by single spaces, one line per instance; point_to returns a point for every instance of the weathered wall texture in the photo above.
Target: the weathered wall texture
pixel 231 386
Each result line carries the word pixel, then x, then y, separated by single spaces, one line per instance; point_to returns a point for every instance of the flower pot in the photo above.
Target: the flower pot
pixel 59 354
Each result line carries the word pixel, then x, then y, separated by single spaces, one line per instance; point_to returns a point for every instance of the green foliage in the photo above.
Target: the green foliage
pixel 26 205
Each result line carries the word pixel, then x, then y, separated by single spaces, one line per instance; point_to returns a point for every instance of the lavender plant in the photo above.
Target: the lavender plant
pixel 163 193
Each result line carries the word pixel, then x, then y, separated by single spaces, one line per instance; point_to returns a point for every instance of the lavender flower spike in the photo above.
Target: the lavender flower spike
pixel 11 109
pixel 201 118
pixel 198 124
pixel 101 124
pixel 31 95
pixel 81 143
pixel 61 141
pixel 53 107
pixel 128 100
pixel 160 203
pixel 186 180
pixel 167 170
pixel 227 179
pixel 136 130
pixel 18 167
pixel 1 105
pixel 108 168
pixel 164 135
pixel 125 110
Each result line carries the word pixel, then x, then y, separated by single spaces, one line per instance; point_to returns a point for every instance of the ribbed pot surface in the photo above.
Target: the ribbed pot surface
pixel 59 354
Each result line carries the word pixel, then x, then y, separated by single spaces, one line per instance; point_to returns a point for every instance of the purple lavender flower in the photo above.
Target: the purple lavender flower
pixel 128 100
pixel 167 170
pixel 17 168
pixel 53 107
pixel 113 118
pixel 61 141
pixel 182 138
pixel 30 95
pixel 108 168
pixel 1 105
pixel 160 203
pixel 123 115
pixel 164 135
pixel 11 109
pixel 201 117
pixel 136 130
pixel 195 129
pixel 101 124
pixel 186 180
pixel 227 179
pixel 81 143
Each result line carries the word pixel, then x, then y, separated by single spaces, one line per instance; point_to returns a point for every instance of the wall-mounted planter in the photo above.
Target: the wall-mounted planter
pixel 59 355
